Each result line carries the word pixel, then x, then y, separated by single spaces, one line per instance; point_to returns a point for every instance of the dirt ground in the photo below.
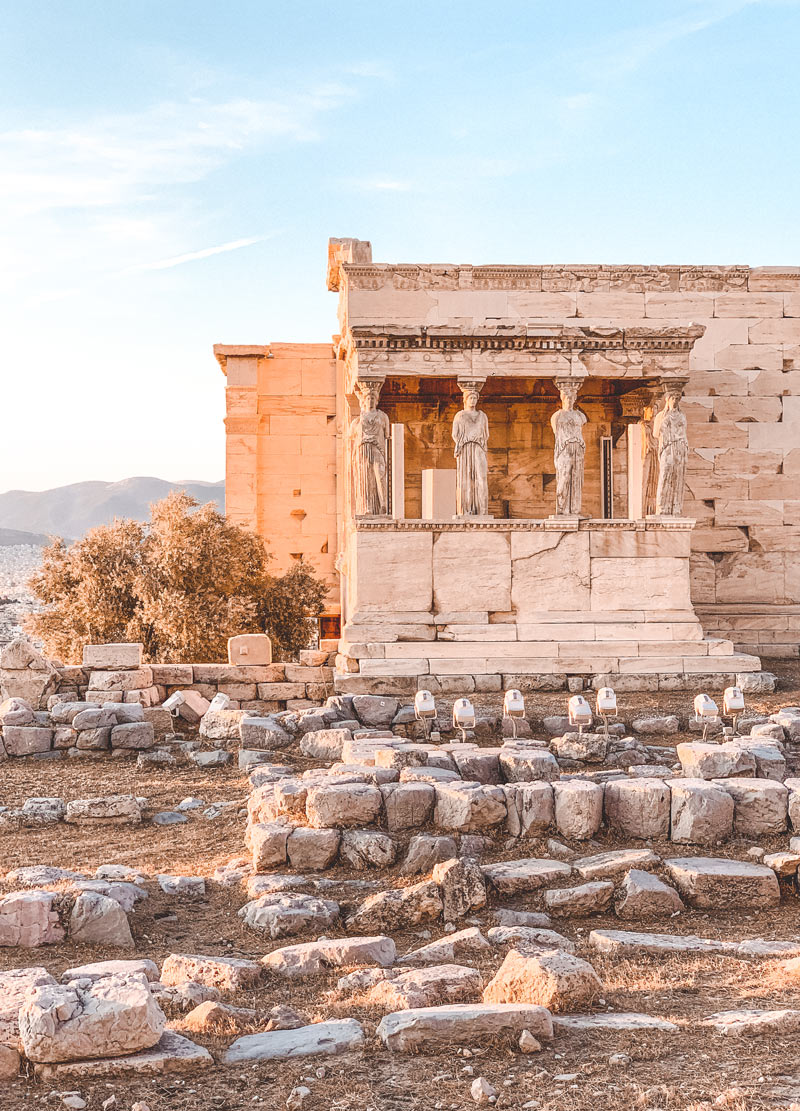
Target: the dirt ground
pixel 691 1069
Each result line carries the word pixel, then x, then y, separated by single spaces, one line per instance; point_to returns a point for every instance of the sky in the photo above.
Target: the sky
pixel 171 171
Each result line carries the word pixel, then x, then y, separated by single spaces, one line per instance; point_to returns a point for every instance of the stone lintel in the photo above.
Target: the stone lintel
pixel 225 351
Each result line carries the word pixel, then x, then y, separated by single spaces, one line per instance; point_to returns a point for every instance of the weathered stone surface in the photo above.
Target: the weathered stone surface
pixel 407 805
pixel 522 764
pixel 425 850
pixel 98 920
pixel 587 898
pixel 468 806
pixel 312 850
pixel 760 806
pixel 551 978
pixel 503 916
pixel 16 711
pixel 104 810
pixel 283 915
pixel 121 680
pixel 532 936
pixel 133 735
pixel 701 812
pixel 213 1017
pixel 374 711
pixel 462 886
pixel 29 919
pixel 462 1024
pixel 479 765
pixel 100 969
pixel 112 657
pixel 325 744
pixel 789 719
pixel 613 941
pixel 608 865
pixel 366 848
pixel 264 733
pixel 529 808
pixel 343 805
pixel 9 1062
pixel 586 748
pixel 646 896
pixel 708 883
pixel 423 987
pixel 709 761
pixel 108 1017
pixel 753 1022
pixel 26 740
pixel 398 907
pixel 578 808
pixel 296 961
pixel 171 1054
pixel 510 877
pixel 267 841
pixel 322 1038
pixel 459 946
pixel 221 725
pixel 638 808
pixel 14 986
pixel 656 724
pixel 621 1021
pixel 181 885
pixel 782 864
pixel 225 973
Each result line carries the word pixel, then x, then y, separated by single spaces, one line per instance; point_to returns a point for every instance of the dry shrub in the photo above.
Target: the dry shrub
pixel 181 584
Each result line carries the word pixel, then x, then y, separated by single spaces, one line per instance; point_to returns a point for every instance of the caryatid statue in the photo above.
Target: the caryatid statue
pixel 649 460
pixel 471 438
pixel 369 433
pixel 567 424
pixel 669 429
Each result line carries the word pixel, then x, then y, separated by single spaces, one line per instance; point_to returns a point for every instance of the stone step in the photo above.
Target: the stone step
pixel 487 660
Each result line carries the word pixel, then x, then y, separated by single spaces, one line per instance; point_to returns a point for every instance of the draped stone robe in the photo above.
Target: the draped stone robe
pixel 567 425
pixel 471 437
pixel 673 457
pixel 370 432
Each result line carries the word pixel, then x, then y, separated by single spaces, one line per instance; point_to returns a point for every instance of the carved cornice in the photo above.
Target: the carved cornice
pixel 539 339
pixel 383 524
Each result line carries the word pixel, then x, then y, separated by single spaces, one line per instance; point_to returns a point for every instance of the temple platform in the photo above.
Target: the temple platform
pixel 509 603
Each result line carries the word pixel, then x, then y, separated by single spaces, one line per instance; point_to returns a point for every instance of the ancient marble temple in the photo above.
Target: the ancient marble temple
pixel 513 475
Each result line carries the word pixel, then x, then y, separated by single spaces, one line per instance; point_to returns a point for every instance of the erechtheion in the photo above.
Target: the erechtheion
pixel 517 475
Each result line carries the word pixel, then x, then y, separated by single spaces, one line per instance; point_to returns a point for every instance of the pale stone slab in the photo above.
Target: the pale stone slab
pixel 587 898
pixel 709 883
pixel 530 935
pixel 549 569
pixel 747 1022
pixel 392 577
pixel 711 761
pixel 510 877
pixel 701 812
pixel 551 978
pixel 172 1054
pixel 623 1020
pixel 578 808
pixel 319 1039
pixel 646 896
pixel 614 863
pixel 423 987
pixel 760 806
pixel 657 583
pixel 225 973
pixel 474 566
pixel 460 1024
pixel 295 961
pixel 638 808
pixel 617 941
pixel 14 986
pixel 108 657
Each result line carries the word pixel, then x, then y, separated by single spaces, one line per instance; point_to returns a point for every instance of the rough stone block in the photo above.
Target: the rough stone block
pixel 578 808
pixel 638 807
pixel 701 812
pixel 707 883
pixel 760 806
pixel 550 978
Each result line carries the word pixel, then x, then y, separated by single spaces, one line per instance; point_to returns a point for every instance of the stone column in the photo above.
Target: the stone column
pixel 669 430
pixel 471 440
pixel 568 455
pixel 369 437
pixel 398 471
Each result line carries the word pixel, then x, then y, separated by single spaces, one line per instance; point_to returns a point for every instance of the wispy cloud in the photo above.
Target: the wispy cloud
pixel 193 256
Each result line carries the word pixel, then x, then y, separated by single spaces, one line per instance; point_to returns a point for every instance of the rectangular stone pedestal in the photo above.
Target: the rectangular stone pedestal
pixel 513 598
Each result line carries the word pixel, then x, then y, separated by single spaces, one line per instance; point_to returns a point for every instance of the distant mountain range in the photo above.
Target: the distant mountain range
pixel 68 511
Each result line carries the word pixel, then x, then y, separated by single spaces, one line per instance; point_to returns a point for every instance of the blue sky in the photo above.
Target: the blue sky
pixel 170 173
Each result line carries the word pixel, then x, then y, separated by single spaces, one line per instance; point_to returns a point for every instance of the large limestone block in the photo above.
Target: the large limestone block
pixel 524 762
pixel 646 896
pixel 462 885
pixel 14 986
pixel 297 961
pixel 171 1054
pixel 16 711
pixel 760 806
pixel 709 883
pixel 638 807
pixel 578 808
pixel 512 877
pixel 104 810
pixel 312 850
pixel 221 725
pixel 267 841
pixel 467 807
pixel 325 744
pixel 423 987
pixel 793 787
pixel 224 973
pixel 396 908
pixel 701 812
pixel 587 748
pixel 462 945
pixel 366 848
pixel 586 898
pixel 98 920
pixel 26 740
pixel 462 1024
pixel 106 1018
pixel 472 568
pixel 550 978
pixel 29 919
pixel 112 657
pixel 711 761
pixel 658 583
pixel 320 1039
pixel 615 863
pixel 284 915
pixel 549 571
pixel 407 805
pixel 343 805
pixel 530 808
pixel 129 680
pixel 390 572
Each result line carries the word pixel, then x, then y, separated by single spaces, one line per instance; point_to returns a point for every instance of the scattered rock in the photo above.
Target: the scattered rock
pixel 551 978
pixel 336 1036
